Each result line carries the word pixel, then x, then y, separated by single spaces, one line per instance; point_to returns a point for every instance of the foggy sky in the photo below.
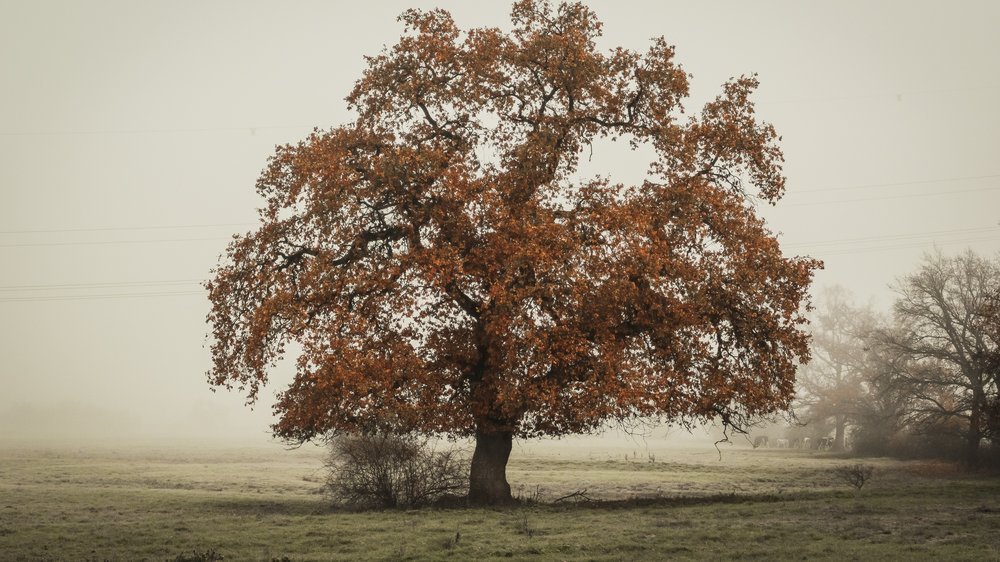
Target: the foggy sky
pixel 119 116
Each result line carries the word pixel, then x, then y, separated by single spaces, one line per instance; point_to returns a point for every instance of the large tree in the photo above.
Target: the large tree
pixel 990 322
pixel 947 345
pixel 833 384
pixel 883 406
pixel 443 269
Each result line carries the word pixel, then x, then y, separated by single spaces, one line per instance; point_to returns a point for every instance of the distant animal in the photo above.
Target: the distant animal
pixel 806 443
pixel 760 441
pixel 825 443
pixel 781 443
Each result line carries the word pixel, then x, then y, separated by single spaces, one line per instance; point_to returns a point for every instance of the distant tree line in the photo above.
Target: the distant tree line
pixel 922 381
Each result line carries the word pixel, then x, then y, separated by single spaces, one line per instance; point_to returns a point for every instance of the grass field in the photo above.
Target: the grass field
pixel 266 504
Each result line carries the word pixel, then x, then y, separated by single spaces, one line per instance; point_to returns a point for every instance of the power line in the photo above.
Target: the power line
pixel 887 197
pixel 899 95
pixel 897 236
pixel 109 242
pixel 905 246
pixel 893 184
pixel 106 285
pixel 252 129
pixel 113 296
pixel 117 228
pixel 99 297
pixel 788 193
pixel 807 244
pixel 170 240
pixel 247 129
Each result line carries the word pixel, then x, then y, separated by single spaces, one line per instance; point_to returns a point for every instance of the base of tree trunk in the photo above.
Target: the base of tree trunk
pixel 972 455
pixel 488 476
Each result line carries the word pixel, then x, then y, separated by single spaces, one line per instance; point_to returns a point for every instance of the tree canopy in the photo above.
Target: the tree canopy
pixel 444 269
pixel 832 385
pixel 947 347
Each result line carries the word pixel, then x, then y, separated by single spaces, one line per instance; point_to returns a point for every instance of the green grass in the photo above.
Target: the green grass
pixel 259 504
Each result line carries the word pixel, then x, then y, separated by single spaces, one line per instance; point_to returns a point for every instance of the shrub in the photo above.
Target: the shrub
pixel 209 555
pixel 855 474
pixel 382 470
pixel 928 443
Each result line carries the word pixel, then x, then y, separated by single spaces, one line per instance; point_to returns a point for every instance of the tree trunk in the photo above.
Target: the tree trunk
pixel 838 439
pixel 972 448
pixel 975 429
pixel 488 476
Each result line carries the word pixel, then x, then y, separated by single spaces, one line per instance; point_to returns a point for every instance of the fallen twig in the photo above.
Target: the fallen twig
pixel 578 495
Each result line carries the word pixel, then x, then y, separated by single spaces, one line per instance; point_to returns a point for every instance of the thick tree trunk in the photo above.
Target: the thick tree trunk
pixel 488 477
pixel 975 429
pixel 838 439
pixel 972 448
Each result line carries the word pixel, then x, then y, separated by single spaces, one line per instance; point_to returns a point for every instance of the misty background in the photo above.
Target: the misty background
pixel 132 133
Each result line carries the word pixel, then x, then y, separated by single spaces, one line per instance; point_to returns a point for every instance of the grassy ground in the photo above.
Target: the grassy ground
pixel 265 504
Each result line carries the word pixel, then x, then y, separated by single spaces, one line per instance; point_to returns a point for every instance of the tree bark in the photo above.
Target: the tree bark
pixel 975 428
pixel 839 436
pixel 488 476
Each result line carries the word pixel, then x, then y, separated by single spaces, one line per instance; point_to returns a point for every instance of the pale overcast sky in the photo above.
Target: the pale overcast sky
pixel 132 132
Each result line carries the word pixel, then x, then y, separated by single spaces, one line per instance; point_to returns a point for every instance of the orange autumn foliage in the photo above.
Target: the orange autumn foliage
pixel 443 269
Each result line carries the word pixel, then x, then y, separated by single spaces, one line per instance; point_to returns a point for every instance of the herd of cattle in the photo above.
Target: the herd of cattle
pixel 821 444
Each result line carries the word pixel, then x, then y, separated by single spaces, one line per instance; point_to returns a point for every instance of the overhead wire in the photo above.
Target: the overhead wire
pixel 891 184
pixel 104 285
pixel 822 253
pixel 252 129
pixel 6 296
pixel 245 224
pixel 99 296
pixel 820 247
pixel 897 95
pixel 903 236
pixel 109 242
pixel 124 228
pixel 146 131
pixel 888 197
pixel 910 240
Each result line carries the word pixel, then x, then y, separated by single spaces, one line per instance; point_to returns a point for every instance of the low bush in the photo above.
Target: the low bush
pixel 856 475
pixel 386 470
pixel 209 555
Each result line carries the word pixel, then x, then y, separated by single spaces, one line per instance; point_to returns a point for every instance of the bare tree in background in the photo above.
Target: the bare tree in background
pixel 991 327
pixel 882 410
pixel 947 345
pixel 831 386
